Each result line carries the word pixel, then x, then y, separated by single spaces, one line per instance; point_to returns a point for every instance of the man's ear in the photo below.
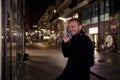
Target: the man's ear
pixel 80 27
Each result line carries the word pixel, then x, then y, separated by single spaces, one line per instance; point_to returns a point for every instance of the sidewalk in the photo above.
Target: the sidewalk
pixel 51 62
pixel 107 65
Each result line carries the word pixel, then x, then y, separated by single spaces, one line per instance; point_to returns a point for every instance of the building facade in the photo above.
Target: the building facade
pixel 101 22
pixel 12 28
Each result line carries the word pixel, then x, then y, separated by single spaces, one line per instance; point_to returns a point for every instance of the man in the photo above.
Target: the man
pixel 79 50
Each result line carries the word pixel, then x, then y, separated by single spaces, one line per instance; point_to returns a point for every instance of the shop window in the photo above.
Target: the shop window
pixel 102 7
pixel 106 6
pixel 102 17
pixel 94 20
pixel 94 10
pixel 106 16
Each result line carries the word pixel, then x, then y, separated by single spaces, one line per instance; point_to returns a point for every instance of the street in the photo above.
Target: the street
pixel 46 63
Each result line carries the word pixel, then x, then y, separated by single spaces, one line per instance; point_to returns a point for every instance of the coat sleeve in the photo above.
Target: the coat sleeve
pixel 67 50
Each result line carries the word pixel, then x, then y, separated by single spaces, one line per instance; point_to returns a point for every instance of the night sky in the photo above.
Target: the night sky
pixel 37 9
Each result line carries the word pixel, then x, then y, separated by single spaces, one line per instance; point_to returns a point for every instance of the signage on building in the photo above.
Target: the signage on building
pixel 93 30
pixel 113 26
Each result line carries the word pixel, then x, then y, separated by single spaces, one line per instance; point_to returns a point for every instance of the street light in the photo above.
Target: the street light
pixel 64 19
pixel 65 23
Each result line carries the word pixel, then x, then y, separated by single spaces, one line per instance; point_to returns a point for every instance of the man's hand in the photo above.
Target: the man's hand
pixel 66 38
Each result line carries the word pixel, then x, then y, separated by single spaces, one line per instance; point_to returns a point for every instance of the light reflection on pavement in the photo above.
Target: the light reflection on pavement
pixel 52 63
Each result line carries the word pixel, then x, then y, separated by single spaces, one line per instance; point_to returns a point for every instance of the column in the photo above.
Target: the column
pixel 0 39
pixel 118 36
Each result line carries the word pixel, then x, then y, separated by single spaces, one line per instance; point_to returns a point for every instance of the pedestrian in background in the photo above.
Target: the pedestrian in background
pixel 79 50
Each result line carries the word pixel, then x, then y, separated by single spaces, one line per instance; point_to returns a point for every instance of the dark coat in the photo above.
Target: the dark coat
pixel 79 51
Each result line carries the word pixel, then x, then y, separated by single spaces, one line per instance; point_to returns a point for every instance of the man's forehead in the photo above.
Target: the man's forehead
pixel 73 23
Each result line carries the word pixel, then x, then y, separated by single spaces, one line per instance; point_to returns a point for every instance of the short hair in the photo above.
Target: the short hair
pixel 76 19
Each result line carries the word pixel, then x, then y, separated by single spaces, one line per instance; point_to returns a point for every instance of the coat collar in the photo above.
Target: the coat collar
pixel 79 34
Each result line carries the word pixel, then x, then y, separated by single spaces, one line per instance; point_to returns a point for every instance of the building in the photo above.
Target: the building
pixel 101 21
pixel 12 28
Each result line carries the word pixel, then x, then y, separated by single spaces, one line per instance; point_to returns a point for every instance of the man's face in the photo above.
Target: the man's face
pixel 74 27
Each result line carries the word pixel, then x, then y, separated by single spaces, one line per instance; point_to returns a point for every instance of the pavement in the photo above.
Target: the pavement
pixel 107 65
pixel 47 62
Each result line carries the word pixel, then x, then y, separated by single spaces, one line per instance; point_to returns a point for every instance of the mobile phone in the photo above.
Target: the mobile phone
pixel 69 34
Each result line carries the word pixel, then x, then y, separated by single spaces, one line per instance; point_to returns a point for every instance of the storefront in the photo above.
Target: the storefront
pixel 93 32
pixel 11 39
